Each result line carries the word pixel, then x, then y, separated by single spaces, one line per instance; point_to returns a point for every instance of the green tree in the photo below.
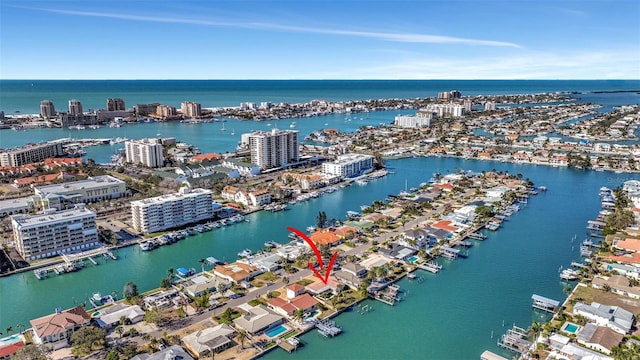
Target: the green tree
pixel 87 339
pixel 242 336
pixel 30 352
pixel 202 261
pixel 321 219
pixel 130 291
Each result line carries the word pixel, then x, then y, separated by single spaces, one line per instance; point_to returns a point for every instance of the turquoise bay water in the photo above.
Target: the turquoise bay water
pixel 449 316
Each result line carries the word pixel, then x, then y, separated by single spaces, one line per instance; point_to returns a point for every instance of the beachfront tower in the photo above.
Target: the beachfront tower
pixel 47 110
pixel 115 105
pixel 75 107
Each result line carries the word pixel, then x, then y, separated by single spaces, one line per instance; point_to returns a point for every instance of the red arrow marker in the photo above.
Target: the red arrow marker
pixel 313 246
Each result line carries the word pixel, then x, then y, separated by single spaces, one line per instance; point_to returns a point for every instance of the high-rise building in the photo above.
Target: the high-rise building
pixel 47 110
pixel 145 109
pixel 166 111
pixel 54 232
pixel 32 153
pixel 75 107
pixel 408 121
pixel 275 148
pixel 147 152
pixel 443 110
pixel 173 210
pixel 489 106
pixel 191 109
pixel 468 105
pixel 115 105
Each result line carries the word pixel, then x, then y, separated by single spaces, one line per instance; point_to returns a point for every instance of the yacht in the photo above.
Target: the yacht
pixel 146 246
pixel 245 253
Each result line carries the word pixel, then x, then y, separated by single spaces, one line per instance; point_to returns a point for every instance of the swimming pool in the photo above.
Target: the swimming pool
pixel 571 328
pixel 412 259
pixel 10 339
pixel 276 331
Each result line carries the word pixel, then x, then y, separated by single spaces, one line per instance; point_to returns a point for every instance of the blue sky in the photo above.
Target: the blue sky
pixel 301 39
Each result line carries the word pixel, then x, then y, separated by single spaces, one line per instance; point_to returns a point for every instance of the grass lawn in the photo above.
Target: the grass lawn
pixel 268 276
pixel 304 282
pixel 590 295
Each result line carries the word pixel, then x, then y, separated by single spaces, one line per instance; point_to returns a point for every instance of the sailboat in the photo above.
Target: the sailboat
pixel 233 132
pixel 223 129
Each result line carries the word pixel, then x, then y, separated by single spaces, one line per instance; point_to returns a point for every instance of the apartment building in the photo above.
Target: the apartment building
pixel 173 210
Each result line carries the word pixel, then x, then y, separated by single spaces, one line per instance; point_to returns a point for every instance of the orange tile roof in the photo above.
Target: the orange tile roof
pixel 304 301
pixel 295 287
pixel 445 225
pixel 237 271
pixel 323 237
pixel 59 323
pixel 343 231
pixel 633 258
pixel 283 304
pixel 443 186
pixel 10 349
pixel 206 157
pixel 629 244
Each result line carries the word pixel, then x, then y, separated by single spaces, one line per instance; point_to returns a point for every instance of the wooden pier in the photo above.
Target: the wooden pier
pixel 578 265
pixel 72 262
pixel 477 236
pixel 544 304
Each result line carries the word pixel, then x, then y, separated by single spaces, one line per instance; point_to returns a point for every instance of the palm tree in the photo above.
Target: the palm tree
pixel 20 327
pixel 242 336
pixel 120 330
pixel 202 261
pixel 9 329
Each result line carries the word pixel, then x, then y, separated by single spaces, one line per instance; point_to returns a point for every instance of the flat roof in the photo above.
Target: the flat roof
pixel 14 204
pixel 51 216
pixel 90 183
pixel 171 197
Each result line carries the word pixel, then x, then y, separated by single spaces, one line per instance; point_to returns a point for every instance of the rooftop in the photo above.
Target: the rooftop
pixel 52 216
pixel 90 183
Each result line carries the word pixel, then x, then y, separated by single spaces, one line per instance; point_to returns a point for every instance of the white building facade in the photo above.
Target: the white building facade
pixel 274 148
pixel 93 189
pixel 147 152
pixel 54 232
pixel 173 210
pixel 348 165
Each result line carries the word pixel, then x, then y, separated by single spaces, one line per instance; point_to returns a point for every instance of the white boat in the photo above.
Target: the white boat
pixel 311 229
pixel 569 274
pixel 361 182
pixel 146 245
pixel 353 214
pixel 245 253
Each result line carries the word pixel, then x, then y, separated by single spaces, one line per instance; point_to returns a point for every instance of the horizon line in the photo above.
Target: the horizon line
pixel 330 79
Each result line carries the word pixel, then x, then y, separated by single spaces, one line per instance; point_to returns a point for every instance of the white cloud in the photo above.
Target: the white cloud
pixel 385 36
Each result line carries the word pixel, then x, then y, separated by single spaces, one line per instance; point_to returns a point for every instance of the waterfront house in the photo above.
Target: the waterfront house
pixel 55 330
pixel 351 274
pixel 237 272
pixel 110 316
pixel 174 352
pixel 626 270
pixel 325 237
pixel 265 262
pixel 244 168
pixel 397 251
pixel 288 307
pixel 160 299
pixel 229 192
pixel 259 197
pixel 375 260
pixel 200 285
pixel 258 319
pixel 633 258
pixel 618 285
pixel 632 245
pixel 614 317
pixel 318 286
pixel 599 338
pixel 216 339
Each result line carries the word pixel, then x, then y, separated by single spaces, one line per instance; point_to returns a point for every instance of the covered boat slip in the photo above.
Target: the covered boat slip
pixel 544 304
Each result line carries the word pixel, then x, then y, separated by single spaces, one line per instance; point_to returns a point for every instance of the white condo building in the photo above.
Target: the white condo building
pixel 147 152
pixel 348 165
pixel 275 148
pixel 191 109
pixel 408 121
pixel 54 232
pixel 173 210
pixel 442 110
pixel 32 153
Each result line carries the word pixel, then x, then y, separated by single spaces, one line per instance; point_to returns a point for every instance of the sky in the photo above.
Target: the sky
pixel 320 39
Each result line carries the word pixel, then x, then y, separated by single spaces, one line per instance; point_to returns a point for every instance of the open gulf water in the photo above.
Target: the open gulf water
pixel 455 314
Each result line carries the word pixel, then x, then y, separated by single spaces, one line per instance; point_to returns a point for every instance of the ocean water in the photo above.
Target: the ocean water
pixel 25 95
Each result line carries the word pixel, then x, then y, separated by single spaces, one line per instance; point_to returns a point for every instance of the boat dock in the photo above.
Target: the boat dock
pixel 579 265
pixel 430 267
pixel 73 262
pixel 477 236
pixel 328 328
pixel 291 344
pixel 515 340
pixel 449 253
pixel 389 295
pixel 544 304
